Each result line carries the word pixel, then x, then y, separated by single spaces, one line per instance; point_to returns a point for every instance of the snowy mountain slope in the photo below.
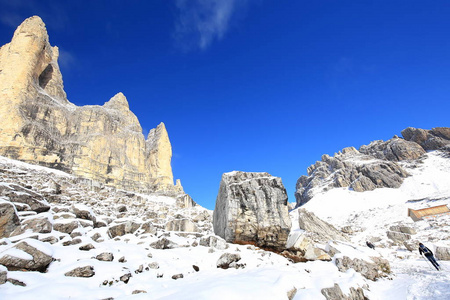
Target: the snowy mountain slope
pixel 372 213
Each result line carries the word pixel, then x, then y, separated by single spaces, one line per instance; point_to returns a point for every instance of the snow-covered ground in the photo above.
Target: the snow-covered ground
pixel 372 213
pixel 266 275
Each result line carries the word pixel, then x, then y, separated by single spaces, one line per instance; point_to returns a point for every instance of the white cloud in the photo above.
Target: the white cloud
pixel 66 59
pixel 200 22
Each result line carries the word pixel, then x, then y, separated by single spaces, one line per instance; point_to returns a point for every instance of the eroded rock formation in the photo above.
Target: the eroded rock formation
pixel 372 166
pixel 40 126
pixel 252 208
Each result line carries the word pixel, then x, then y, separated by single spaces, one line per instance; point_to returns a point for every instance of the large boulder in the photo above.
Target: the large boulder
pixel 9 220
pixel 252 208
pixel 319 230
pixel 29 254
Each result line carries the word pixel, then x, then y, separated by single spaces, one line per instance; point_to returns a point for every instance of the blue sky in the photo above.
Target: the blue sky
pixel 254 85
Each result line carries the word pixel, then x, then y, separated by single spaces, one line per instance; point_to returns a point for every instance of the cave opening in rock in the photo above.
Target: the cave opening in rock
pixel 45 76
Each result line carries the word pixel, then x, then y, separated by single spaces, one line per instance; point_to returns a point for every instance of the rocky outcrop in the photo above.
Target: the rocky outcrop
pixel 251 208
pixel 349 168
pixel 396 149
pixel 433 139
pixel 40 126
pixel 372 166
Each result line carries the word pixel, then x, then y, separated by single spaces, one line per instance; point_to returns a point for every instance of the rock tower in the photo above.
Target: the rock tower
pixel 40 126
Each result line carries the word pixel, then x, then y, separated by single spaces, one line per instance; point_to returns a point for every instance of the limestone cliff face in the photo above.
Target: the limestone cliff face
pixel 39 125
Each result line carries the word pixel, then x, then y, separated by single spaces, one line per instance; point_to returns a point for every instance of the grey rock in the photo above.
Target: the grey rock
pixel 321 230
pixel 86 247
pixel 105 256
pixel 252 208
pixel 122 208
pixel 442 253
pixel 9 220
pixel 227 260
pixel 16 282
pixel 372 271
pixel 86 271
pixel 335 293
pixel 3 274
pixel 17 193
pixel 185 201
pixel 177 276
pixel 148 227
pixel 39 260
pixel 125 278
pixel 122 229
pixel 349 168
pixel 403 229
pixel 66 227
pixel 291 293
pixel 163 244
pixel 139 292
pixel 395 149
pixel 434 139
pixel 83 212
pixel 40 224
pixel 214 242
pixel 153 265
pixel 50 239
pixel 398 237
pixel 185 225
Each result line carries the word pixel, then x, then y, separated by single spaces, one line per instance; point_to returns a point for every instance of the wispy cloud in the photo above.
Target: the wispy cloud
pixel 66 59
pixel 200 22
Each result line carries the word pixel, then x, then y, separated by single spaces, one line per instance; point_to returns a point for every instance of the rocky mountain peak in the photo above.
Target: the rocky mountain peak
pixel 119 101
pixel 40 126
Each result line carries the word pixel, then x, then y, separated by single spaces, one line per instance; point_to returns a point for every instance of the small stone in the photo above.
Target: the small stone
pixel 196 268
pixel 87 247
pixel 126 277
pixel 86 271
pixel 105 256
pixel 153 265
pixel 122 259
pixel 138 292
pixel 177 276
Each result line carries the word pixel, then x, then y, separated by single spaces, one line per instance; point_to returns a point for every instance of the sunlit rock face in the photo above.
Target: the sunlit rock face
pixel 251 208
pixel 40 126
pixel 376 165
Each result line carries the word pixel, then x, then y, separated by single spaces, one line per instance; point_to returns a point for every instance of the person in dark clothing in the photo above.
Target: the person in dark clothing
pixel 429 255
pixel 370 245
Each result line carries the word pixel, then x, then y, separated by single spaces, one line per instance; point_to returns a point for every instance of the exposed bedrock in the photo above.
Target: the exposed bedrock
pixel 40 126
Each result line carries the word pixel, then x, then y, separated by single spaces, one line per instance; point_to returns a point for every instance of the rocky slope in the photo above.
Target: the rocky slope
pixel 372 166
pixel 40 126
